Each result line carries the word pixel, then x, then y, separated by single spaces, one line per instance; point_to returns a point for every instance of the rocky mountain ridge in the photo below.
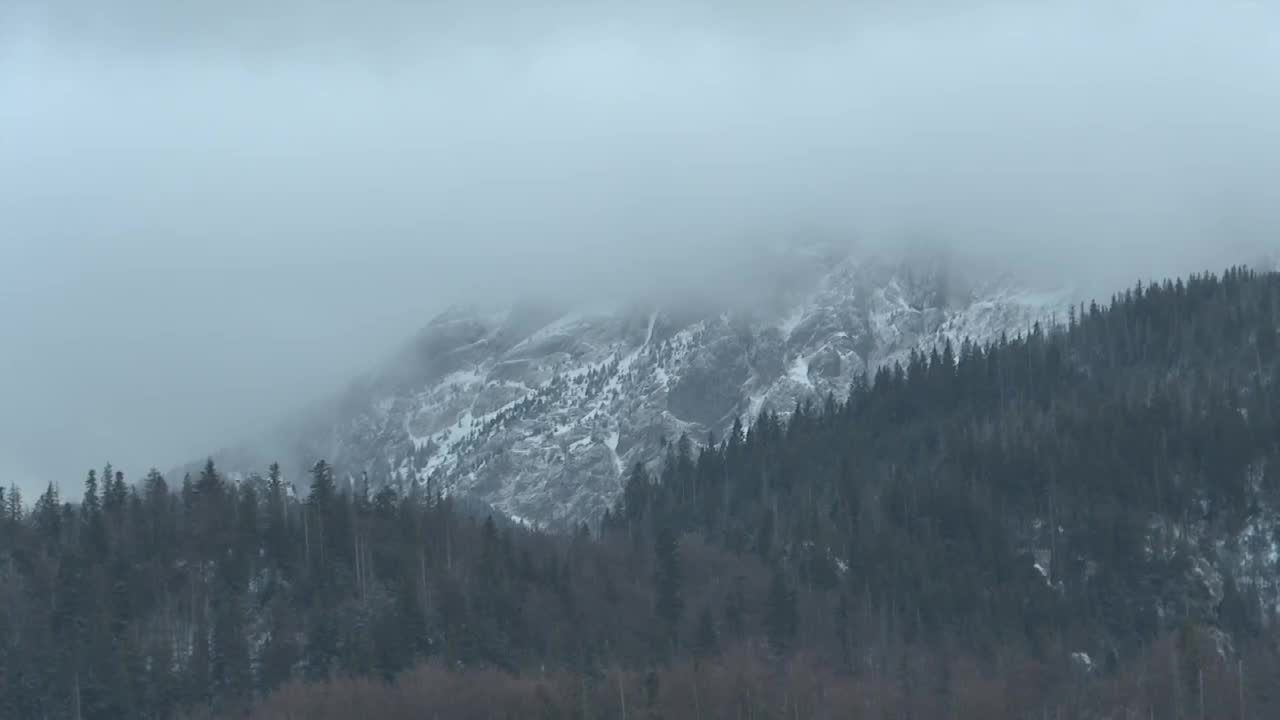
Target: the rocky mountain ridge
pixel 538 411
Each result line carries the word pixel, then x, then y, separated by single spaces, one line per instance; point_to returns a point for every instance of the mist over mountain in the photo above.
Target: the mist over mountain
pixel 583 360
pixel 246 209
pixel 538 409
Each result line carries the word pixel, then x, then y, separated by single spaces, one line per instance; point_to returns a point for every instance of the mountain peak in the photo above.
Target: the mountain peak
pixel 537 409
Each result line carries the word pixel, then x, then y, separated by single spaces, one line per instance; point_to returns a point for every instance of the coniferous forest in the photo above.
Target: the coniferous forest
pixel 1030 529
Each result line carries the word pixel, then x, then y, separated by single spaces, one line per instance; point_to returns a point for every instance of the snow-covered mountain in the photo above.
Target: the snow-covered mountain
pixel 538 411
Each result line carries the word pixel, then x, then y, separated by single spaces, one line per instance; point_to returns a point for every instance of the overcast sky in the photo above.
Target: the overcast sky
pixel 213 212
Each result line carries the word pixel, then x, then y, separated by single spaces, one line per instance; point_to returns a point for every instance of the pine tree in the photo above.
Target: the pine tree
pixel 706 641
pixel 209 514
pixel 781 619
pixel 277 540
pixel 229 667
pixel 47 514
pixel 279 652
pixel 13 504
pixel 199 686
pixel 668 582
pixel 95 533
pixel 323 489
pixel 90 504
pixel 844 631
pixel 735 608
pixel 115 493
pixel 635 494
pixel 321 653
pixel 157 503
pixel 320 511
pixel 246 541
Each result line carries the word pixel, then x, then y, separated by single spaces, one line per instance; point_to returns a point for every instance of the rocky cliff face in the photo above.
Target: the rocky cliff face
pixel 539 411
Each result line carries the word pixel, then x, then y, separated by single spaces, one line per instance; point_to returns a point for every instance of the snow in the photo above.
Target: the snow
pixel 624 365
pixel 462 378
pixel 799 371
pixel 524 522
pixel 611 442
pixel 1082 661
pixel 560 324
pixel 664 378
pixel 754 403
pixel 1256 563
pixel 459 418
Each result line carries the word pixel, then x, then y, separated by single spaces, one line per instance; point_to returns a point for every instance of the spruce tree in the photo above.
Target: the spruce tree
pixel 95 533
pixel 115 493
pixel 706 641
pixel 781 619
pixel 13 505
pixel 277 541
pixel 668 581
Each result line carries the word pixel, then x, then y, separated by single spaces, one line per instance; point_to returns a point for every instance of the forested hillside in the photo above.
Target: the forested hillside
pixel 1079 522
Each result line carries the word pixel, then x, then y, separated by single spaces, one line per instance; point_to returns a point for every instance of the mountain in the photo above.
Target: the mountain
pixel 1079 522
pixel 538 411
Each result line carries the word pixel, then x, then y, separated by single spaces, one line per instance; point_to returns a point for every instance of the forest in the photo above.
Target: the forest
pixel 1076 522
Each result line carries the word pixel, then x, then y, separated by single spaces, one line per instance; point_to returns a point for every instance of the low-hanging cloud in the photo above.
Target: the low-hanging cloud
pixel 211 212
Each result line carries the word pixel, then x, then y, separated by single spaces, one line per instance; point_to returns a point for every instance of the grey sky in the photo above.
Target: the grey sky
pixel 210 213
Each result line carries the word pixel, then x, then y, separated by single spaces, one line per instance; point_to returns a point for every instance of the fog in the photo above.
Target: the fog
pixel 211 213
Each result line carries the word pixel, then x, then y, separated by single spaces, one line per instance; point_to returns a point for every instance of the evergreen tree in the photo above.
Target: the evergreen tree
pixel 229 667
pixel 199 685
pixel 320 656
pixel 115 494
pixel 844 631
pixel 277 540
pixel 47 514
pixel 13 504
pixel 279 652
pixel 781 618
pixel 668 582
pixel 95 533
pixel 706 640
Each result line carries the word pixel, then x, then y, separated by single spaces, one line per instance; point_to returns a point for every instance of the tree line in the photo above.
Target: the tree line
pixel 1020 528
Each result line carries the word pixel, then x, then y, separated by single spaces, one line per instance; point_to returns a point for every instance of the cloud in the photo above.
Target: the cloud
pixel 216 211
